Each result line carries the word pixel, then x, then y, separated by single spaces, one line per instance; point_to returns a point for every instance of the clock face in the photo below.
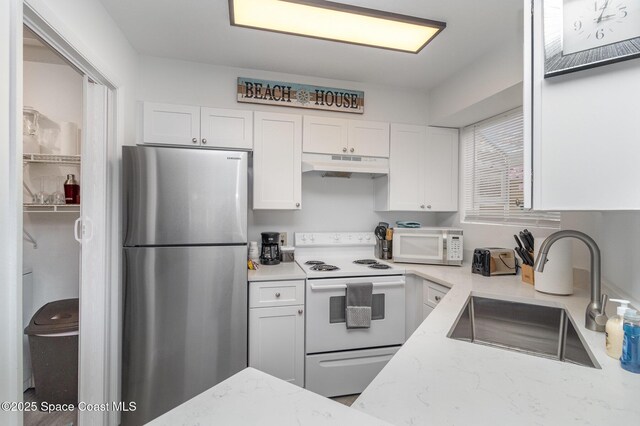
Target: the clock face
pixel 588 24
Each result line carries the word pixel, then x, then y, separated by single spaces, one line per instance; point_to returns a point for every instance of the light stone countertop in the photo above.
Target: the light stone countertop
pixel 440 381
pixel 252 397
pixel 280 272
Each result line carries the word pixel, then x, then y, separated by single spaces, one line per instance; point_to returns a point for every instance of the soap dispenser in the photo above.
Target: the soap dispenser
pixel 630 359
pixel 614 330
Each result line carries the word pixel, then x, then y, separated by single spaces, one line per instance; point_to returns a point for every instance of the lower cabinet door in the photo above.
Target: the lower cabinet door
pixel 276 342
pixel 426 310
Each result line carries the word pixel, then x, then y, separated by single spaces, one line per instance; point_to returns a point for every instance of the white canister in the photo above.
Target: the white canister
pixel 557 277
pixel 254 253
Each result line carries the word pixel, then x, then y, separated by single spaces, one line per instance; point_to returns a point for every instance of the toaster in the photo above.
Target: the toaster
pixel 492 261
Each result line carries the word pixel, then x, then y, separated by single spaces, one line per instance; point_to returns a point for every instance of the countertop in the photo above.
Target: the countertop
pixel 436 380
pixel 252 397
pixel 440 381
pixel 279 272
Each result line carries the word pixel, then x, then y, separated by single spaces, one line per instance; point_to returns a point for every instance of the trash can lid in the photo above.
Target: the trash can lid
pixel 60 316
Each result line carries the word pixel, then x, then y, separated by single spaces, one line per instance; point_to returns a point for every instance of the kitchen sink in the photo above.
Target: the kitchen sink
pixel 544 331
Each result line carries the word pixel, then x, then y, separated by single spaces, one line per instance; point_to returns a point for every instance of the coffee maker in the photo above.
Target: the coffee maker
pixel 270 252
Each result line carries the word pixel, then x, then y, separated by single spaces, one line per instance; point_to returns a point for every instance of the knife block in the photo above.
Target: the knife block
pixel 528 275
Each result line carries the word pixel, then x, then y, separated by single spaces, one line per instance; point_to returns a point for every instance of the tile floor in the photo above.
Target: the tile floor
pixel 39 418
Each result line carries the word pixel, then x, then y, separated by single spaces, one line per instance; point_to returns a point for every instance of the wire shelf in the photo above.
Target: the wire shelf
pixel 51 208
pixel 51 159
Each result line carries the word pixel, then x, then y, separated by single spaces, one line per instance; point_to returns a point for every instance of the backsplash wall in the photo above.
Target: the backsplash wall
pixel 330 204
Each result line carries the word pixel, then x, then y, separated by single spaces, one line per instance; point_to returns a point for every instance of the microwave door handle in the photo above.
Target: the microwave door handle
pixel 319 287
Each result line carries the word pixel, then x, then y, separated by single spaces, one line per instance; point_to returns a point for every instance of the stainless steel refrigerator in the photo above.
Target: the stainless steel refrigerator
pixel 185 285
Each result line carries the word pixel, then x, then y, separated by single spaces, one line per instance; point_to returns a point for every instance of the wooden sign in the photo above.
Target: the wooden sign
pixel 296 95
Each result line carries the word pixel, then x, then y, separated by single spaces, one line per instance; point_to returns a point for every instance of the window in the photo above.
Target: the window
pixel 493 173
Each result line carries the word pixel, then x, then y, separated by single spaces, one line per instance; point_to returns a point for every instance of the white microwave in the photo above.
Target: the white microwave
pixel 437 246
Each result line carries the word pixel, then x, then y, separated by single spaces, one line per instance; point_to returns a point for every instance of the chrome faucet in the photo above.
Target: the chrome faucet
pixel 596 318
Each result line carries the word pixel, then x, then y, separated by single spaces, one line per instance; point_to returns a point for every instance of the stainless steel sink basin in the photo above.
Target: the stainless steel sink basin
pixel 544 331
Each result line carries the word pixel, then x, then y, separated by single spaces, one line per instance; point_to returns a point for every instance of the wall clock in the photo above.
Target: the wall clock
pixel 580 34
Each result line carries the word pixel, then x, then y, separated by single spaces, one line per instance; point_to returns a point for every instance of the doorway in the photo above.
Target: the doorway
pixel 93 223
pixel 51 170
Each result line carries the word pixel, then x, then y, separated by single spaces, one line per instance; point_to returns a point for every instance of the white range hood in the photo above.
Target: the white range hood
pixel 344 165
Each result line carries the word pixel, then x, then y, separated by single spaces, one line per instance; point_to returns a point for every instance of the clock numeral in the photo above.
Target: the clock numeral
pixel 600 33
pixel 623 12
pixel 577 26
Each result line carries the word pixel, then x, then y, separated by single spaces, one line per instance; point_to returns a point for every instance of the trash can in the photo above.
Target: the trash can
pixel 53 343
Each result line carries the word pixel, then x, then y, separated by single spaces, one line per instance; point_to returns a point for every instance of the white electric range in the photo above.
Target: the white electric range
pixel 341 361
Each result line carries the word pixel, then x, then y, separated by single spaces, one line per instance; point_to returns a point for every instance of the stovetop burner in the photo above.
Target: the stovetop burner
pixel 314 262
pixel 379 266
pixel 324 267
pixel 365 261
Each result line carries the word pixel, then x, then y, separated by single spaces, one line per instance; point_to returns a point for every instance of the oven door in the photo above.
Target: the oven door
pixel 418 246
pixel 326 327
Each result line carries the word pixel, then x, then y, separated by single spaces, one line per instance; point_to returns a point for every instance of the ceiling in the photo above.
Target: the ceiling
pixel 199 30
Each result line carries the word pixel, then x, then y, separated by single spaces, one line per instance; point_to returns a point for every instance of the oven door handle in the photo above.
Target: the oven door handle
pixel 319 287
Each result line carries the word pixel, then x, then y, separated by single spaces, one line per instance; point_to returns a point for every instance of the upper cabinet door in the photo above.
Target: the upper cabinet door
pixel 406 177
pixel 369 138
pixel 171 124
pixel 326 135
pixel 441 170
pixel 277 161
pixel 226 128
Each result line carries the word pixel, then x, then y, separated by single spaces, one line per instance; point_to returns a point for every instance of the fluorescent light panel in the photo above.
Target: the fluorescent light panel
pixel 336 22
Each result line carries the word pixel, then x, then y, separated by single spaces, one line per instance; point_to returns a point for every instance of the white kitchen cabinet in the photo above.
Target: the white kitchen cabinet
pixel 432 294
pixel 197 126
pixel 226 128
pixel 276 333
pixel 171 124
pixel 329 135
pixel 277 161
pixel 369 138
pixel 581 130
pixel 441 170
pixel 325 135
pixel 423 170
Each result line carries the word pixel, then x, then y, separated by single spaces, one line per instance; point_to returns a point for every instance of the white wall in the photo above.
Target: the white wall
pixel 489 86
pixel 56 92
pixel 191 83
pixel 330 204
pixel 86 25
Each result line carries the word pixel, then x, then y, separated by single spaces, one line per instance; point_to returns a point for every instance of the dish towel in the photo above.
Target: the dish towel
pixel 359 296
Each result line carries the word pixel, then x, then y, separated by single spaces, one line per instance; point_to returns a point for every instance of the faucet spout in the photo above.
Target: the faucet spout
pixel 596 317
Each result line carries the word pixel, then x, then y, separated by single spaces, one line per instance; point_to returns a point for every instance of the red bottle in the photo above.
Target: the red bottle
pixel 71 190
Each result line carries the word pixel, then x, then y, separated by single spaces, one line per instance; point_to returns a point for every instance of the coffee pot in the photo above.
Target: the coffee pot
pixel 270 252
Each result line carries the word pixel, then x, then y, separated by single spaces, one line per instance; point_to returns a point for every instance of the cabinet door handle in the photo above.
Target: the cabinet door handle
pixel 297 204
pixel 344 149
pixel 438 298
pixel 300 311
pixel 194 140
pixel 204 141
pixel 422 206
pixel 277 294
pixel 351 150
pixel 429 206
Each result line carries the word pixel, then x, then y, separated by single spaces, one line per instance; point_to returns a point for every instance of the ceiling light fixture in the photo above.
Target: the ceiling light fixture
pixel 336 22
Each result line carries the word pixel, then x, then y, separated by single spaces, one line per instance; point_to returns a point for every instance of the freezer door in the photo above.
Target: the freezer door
pixel 182 196
pixel 185 324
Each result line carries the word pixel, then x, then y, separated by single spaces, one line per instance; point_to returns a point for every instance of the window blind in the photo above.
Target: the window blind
pixel 493 173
